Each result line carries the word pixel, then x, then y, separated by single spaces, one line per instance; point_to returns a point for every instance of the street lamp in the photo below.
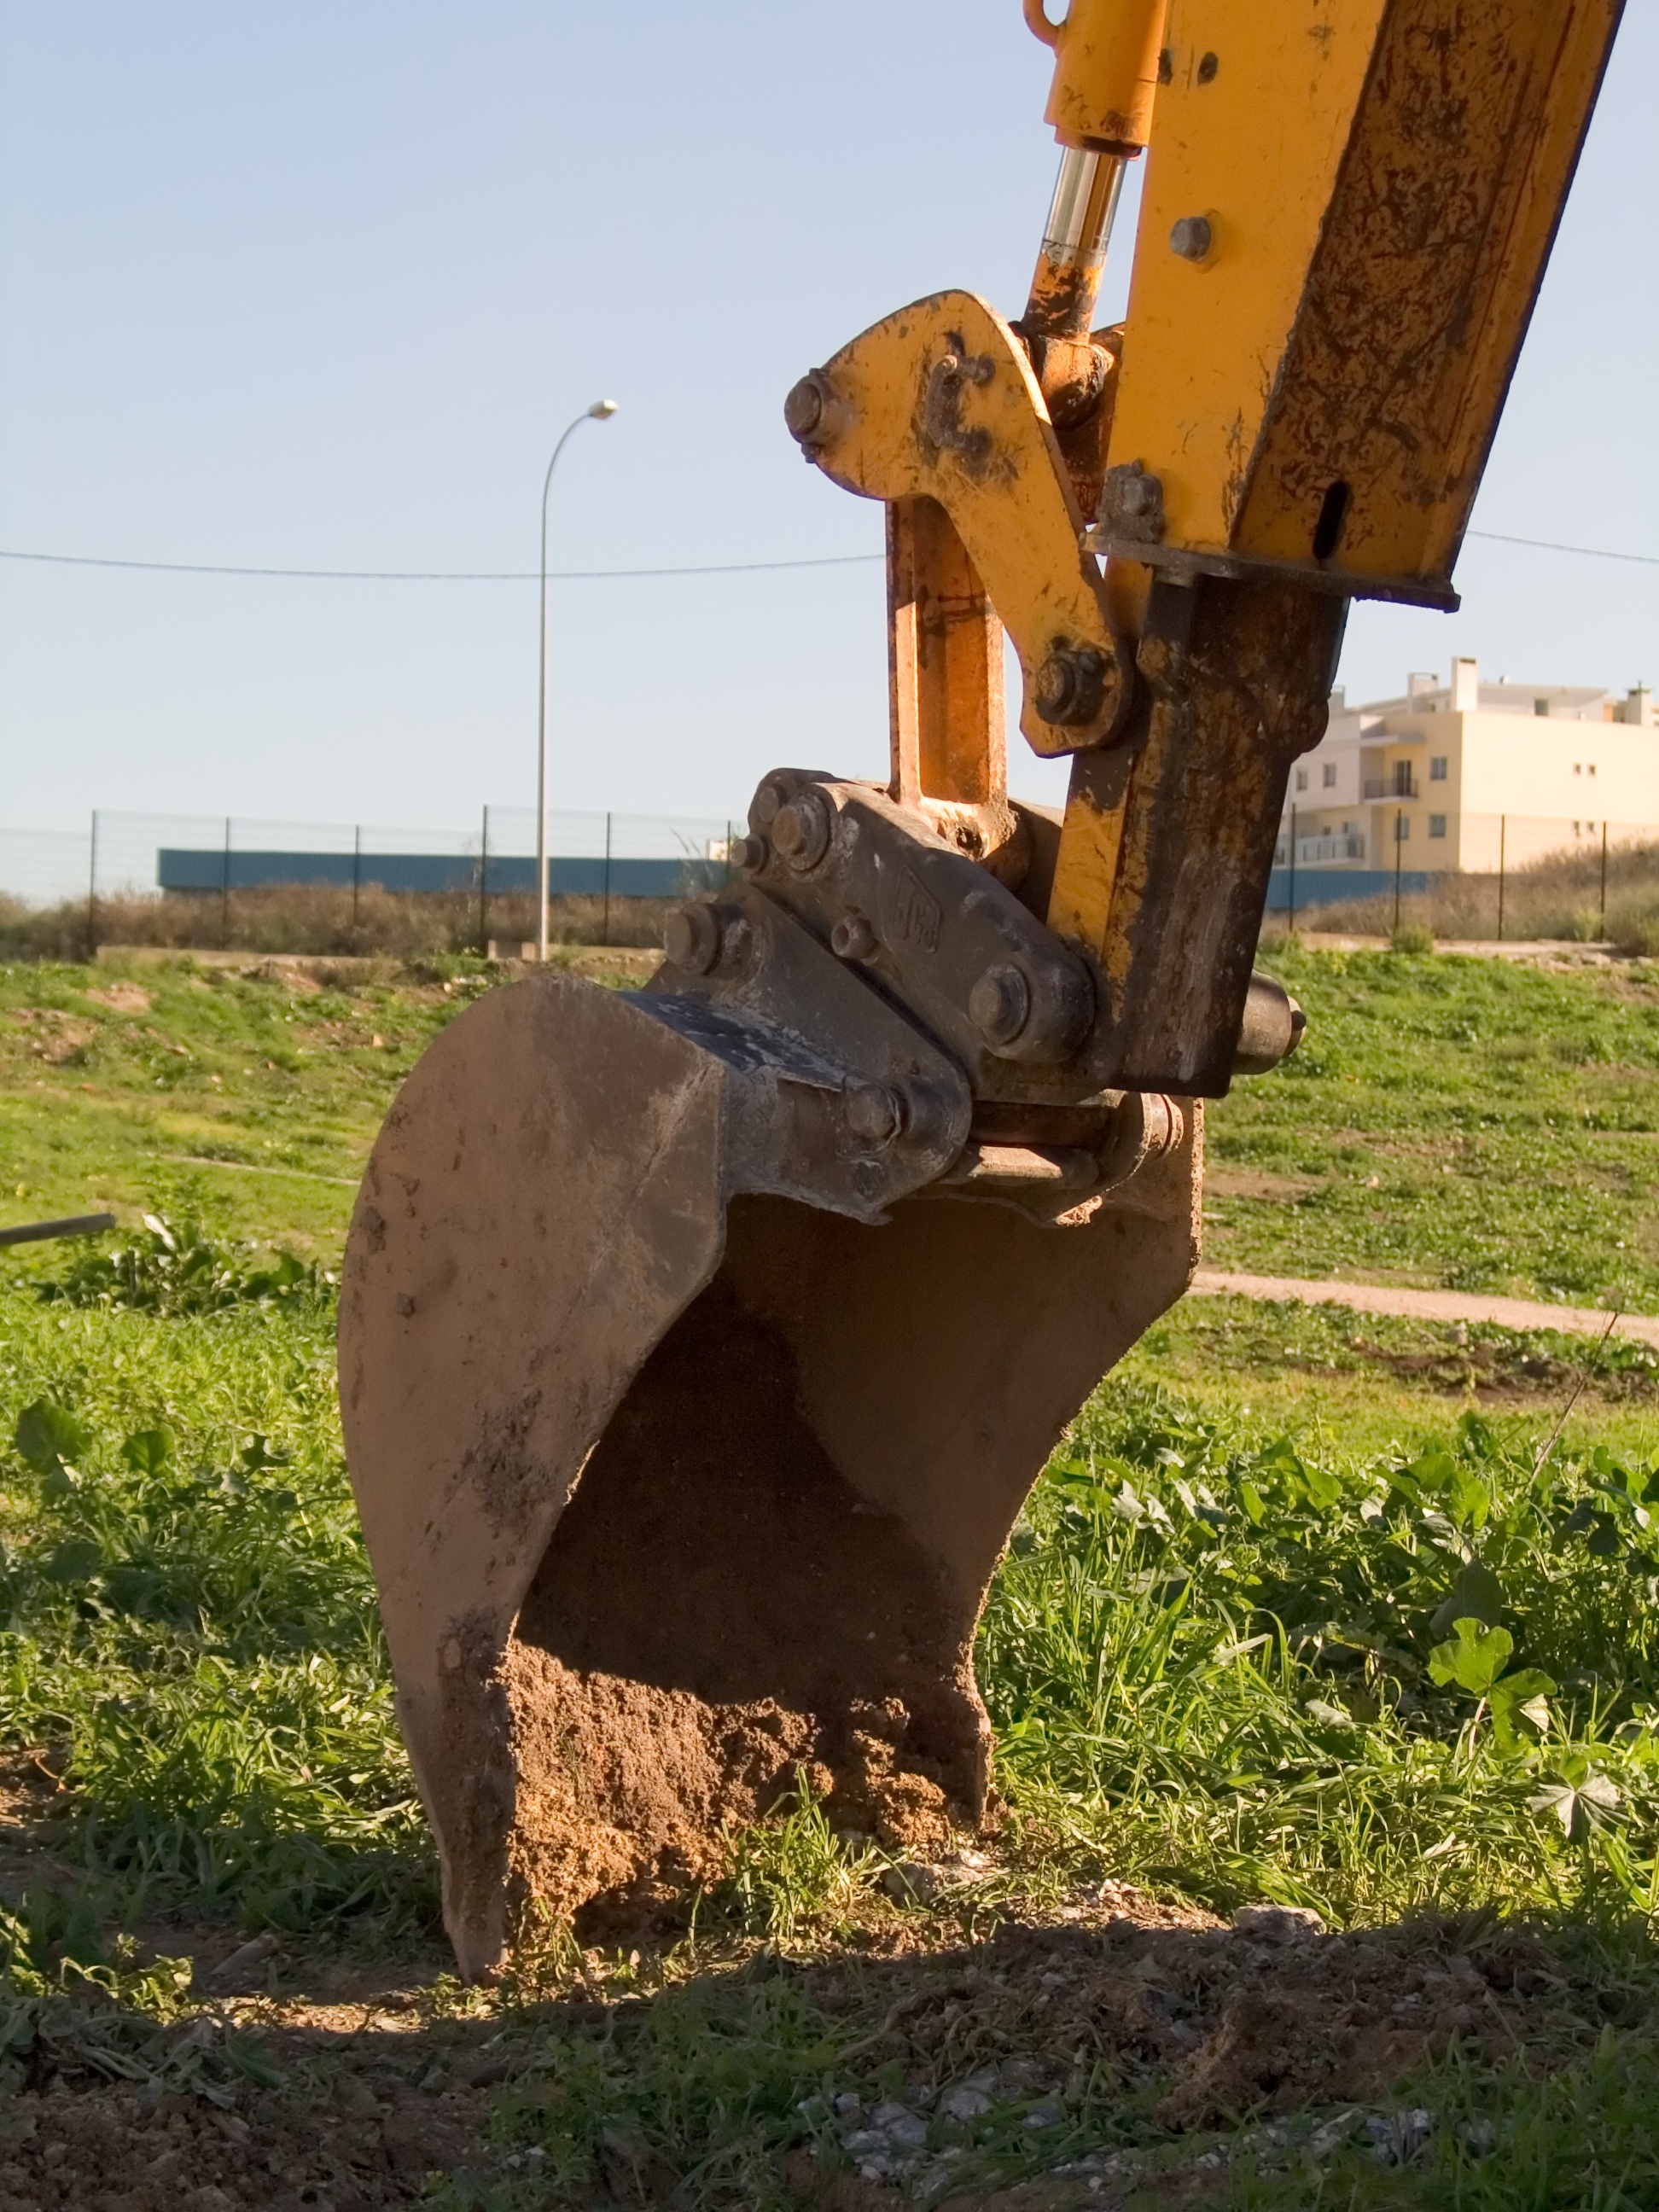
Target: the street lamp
pixel 600 411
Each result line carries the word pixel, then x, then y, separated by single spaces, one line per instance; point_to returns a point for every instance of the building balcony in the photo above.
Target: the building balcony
pixel 1313 852
pixel 1398 787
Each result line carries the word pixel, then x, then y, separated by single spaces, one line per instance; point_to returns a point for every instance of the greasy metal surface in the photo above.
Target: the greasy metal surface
pixel 940 401
pixel 541 1303
pixel 776 995
pixel 1429 261
pixel 937 924
pixel 1164 858
pixel 1383 179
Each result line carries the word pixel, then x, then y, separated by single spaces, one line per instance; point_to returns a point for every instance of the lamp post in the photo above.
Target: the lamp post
pixel 600 411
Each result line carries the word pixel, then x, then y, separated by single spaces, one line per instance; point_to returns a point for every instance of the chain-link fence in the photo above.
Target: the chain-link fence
pixel 266 885
pixel 1475 876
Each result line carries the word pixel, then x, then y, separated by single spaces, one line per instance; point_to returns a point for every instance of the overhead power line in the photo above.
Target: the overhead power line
pixel 440 575
pixel 604 575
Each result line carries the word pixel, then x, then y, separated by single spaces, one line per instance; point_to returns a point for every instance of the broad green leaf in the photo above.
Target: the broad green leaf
pixel 147 1451
pixel 46 1436
pixel 74 1562
pixel 1473 1659
pixel 1476 1594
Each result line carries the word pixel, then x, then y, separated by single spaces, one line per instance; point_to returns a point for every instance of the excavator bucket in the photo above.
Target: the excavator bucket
pixel 681 1488
pixel 699 1345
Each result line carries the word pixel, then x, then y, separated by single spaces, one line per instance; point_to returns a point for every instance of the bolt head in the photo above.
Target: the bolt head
pixel 999 1003
pixel 875 1112
pixel 803 410
pixel 852 938
pixel 800 830
pixel 764 807
pixel 1192 237
pixel 1069 688
pixel 691 938
pixel 749 854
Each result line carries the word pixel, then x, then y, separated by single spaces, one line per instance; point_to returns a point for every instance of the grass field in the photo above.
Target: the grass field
pixel 1222 1654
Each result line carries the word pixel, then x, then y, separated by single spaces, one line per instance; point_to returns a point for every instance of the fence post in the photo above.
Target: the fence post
pixel 1503 842
pixel 1604 879
pixel 224 893
pixel 483 887
pixel 604 924
pixel 726 881
pixel 1290 926
pixel 92 893
pixel 1399 818
pixel 356 870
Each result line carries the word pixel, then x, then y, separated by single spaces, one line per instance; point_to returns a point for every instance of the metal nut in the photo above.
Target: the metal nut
pixel 800 831
pixel 875 1112
pixel 1192 237
pixel 763 806
pixel 803 410
pixel 852 938
pixel 999 1003
pixel 691 938
pixel 1069 688
pixel 1132 503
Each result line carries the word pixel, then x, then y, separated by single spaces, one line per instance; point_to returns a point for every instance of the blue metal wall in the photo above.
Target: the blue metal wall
pixel 1330 886
pixel 182 868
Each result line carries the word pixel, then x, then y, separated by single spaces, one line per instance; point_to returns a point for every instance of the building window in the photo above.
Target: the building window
pixel 1436 825
pixel 1540 707
pixel 1579 768
pixel 1302 779
pixel 1402 827
pixel 1402 779
pixel 1330 775
pixel 1437 769
pixel 1592 768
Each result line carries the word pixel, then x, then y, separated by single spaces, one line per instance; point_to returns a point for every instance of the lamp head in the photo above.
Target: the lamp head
pixel 603 409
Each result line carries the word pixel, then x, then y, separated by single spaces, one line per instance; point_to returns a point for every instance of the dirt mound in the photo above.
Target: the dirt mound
pixel 719 1619
pixel 359 2137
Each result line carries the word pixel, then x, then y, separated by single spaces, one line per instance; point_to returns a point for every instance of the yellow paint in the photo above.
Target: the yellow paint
pixel 1105 69
pixel 999 475
pixel 1256 149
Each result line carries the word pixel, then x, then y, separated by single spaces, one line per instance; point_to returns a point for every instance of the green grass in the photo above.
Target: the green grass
pixel 1479 1124
pixel 1222 1654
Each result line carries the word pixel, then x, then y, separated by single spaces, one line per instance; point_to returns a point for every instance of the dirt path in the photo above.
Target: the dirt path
pixel 1425 1305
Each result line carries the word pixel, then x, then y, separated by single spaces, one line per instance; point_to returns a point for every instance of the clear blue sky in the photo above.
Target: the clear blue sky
pixel 318 285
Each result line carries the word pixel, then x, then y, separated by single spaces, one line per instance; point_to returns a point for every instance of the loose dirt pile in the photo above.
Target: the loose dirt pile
pixel 349 2131
pixel 718 1619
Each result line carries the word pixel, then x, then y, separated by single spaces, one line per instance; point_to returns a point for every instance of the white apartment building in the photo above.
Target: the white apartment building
pixel 1466 774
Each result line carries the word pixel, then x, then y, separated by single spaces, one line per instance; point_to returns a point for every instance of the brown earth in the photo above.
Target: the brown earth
pixel 1117 1999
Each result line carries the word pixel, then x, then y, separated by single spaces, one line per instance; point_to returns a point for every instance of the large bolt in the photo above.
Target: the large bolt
pixel 1192 237
pixel 748 854
pixel 691 938
pixel 803 410
pixel 1069 688
pixel 763 806
pixel 852 938
pixel 999 1003
pixel 800 831
pixel 875 1112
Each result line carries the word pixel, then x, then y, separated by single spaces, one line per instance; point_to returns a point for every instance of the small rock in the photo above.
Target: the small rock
pixel 900 2126
pixel 911 1883
pixel 1278 1923
pixel 849 2103
pixel 963 2103
pixel 243 1962
pixel 1042 2116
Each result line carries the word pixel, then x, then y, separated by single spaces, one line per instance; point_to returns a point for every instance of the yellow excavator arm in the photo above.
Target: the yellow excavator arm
pixel 699 1345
